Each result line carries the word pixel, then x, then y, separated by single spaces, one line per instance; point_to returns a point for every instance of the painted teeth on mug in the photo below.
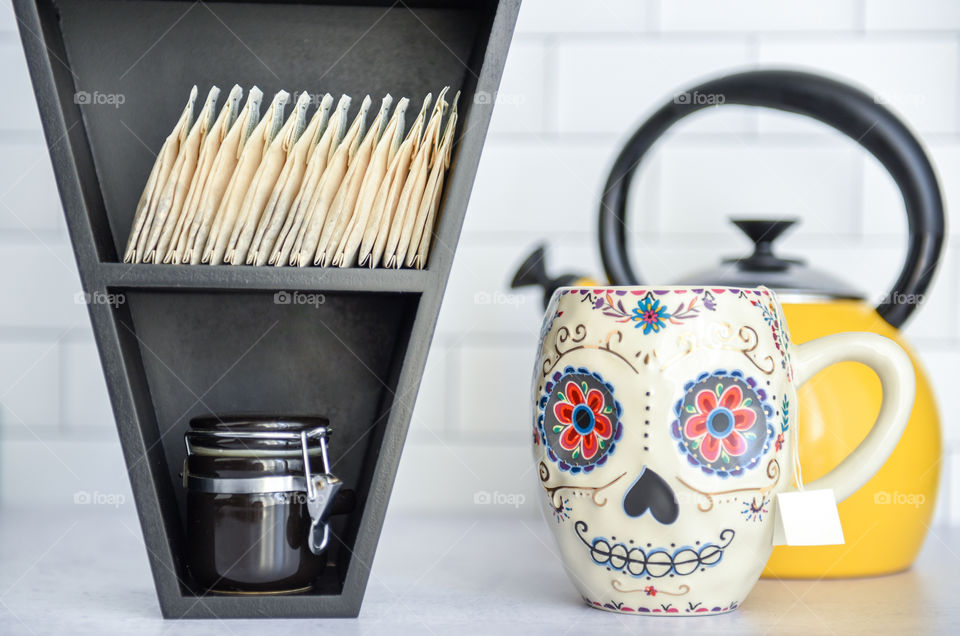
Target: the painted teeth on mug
pixel 657 562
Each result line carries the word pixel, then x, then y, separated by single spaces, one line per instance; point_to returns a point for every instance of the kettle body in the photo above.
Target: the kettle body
pixel 886 521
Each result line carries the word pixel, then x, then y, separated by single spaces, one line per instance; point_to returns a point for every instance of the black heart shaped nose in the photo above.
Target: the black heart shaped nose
pixel 651 492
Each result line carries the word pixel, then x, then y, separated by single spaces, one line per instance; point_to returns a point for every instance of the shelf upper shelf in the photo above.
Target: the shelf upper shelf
pixel 141 275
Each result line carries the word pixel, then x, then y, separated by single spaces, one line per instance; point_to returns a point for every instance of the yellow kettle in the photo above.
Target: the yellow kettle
pixel 886 521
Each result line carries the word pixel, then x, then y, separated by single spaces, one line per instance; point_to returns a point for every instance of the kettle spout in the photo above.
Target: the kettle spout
pixel 533 272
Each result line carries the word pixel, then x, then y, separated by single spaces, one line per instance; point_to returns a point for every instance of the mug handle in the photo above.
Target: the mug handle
pixel 893 366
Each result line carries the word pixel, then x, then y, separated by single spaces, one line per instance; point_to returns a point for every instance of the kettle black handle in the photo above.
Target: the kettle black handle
pixel 849 110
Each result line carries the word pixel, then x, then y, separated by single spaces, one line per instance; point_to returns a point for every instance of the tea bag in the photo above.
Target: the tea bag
pixel 398 244
pixel 178 183
pixel 194 144
pixel 247 165
pixel 208 152
pixel 423 231
pixel 386 149
pixel 316 166
pixel 385 205
pixel 288 184
pixel 265 180
pixel 305 245
pixel 150 199
pixel 346 200
pixel 221 175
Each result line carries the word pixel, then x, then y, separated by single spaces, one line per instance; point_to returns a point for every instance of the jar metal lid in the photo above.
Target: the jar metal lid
pixel 255 436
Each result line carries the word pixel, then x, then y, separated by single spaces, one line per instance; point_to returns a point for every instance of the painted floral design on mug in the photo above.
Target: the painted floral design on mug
pixel 774 319
pixel 579 419
pixel 650 314
pixel 722 422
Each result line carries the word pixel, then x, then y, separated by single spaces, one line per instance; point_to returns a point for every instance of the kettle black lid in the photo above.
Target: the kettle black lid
pixel 763 267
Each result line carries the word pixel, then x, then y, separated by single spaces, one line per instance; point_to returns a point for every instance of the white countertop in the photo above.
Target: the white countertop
pixel 84 569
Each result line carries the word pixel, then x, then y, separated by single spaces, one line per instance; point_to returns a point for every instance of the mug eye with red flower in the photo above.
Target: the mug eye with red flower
pixel 723 422
pixel 579 420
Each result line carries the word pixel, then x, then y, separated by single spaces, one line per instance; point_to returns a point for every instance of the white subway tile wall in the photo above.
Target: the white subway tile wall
pixel 607 84
pixel 916 74
pixel 580 76
pixel 705 16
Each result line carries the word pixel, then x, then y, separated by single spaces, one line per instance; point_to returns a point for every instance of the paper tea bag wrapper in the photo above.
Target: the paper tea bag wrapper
pixel 264 176
pixel 306 244
pixel 431 198
pixel 287 186
pixel 221 174
pixel 190 152
pixel 265 180
pixel 346 199
pixel 147 206
pixel 807 517
pixel 173 227
pixel 386 149
pixel 240 182
pixel 208 152
pixel 413 189
pixel 247 155
pixel 175 190
pixel 385 206
pixel 402 224
pixel 319 205
pixel 416 214
pixel 317 161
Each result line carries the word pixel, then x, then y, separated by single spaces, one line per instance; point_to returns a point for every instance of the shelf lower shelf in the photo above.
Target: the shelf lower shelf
pixel 124 275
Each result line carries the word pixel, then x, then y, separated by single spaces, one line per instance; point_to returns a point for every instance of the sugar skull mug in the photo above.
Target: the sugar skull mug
pixel 663 430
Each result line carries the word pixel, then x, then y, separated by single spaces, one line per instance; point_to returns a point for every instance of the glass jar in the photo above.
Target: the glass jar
pixel 258 498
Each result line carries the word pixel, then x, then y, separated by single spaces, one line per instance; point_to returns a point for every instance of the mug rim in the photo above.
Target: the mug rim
pixel 664 288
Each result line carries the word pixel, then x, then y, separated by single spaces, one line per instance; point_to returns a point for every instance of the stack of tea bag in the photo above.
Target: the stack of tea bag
pixel 232 187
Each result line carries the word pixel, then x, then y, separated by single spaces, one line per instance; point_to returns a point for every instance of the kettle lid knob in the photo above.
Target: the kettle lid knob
pixel 763 232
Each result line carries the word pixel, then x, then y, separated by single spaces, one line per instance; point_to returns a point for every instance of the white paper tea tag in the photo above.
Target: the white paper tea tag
pixel 807 517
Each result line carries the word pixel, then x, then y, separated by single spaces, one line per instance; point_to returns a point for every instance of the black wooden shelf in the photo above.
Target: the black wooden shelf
pixel 218 333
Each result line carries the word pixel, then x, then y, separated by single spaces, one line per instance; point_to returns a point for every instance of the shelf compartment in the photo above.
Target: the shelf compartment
pixel 198 353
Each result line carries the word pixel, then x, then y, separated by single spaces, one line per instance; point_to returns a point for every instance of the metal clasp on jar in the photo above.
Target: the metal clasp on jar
pixel 321 490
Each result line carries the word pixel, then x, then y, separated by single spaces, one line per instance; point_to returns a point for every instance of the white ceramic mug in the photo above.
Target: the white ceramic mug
pixel 663 430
